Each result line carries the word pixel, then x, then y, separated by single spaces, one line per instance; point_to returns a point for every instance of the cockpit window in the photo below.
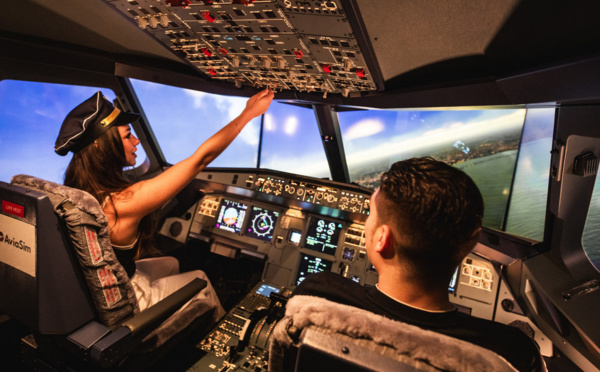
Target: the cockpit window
pixel 483 143
pixel 31 114
pixel 182 119
pixel 591 231
pixel 292 143
pixel 527 209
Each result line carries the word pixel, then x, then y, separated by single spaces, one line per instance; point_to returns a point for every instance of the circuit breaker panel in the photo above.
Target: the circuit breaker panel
pixel 306 46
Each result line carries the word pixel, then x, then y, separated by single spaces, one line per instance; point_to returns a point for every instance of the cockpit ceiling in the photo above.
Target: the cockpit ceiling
pixel 340 48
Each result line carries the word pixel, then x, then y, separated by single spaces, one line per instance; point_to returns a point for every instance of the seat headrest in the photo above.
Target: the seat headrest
pixel 82 199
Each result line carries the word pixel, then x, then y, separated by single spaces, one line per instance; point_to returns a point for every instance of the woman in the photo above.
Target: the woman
pixel 100 138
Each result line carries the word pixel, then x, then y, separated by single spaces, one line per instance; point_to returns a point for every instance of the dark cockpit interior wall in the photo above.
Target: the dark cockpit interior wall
pixel 336 63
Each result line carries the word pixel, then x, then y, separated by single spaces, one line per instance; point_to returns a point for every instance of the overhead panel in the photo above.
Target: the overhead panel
pixel 306 46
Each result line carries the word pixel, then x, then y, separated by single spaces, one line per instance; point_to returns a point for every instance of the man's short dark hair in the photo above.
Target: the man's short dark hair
pixel 435 211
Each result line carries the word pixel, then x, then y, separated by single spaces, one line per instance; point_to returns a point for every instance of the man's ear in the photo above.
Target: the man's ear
pixel 384 243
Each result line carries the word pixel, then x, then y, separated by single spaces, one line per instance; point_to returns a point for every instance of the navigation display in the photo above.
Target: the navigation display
pixel 311 265
pixel 231 216
pixel 323 235
pixel 262 223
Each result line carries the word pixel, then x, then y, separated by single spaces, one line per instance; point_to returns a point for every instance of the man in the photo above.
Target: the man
pixel 424 219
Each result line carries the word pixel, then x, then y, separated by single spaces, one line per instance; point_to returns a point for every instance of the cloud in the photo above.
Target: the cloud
pixel 364 128
pixel 291 125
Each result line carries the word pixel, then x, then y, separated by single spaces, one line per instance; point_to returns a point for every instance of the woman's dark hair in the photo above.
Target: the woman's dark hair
pixel 435 211
pixel 98 169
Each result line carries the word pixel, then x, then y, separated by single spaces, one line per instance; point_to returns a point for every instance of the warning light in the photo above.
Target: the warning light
pixel 183 3
pixel 360 72
pixel 207 2
pixel 243 2
pixel 212 72
pixel 326 68
pixel 209 17
pixel 223 51
pixel 207 52
pixel 298 53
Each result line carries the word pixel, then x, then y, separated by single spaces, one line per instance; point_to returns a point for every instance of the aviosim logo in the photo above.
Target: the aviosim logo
pixel 17 244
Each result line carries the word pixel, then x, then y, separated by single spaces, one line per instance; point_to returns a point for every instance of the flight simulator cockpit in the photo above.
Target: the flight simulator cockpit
pixel 506 91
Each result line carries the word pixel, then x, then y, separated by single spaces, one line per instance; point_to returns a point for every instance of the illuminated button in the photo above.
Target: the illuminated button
pixel 207 52
pixel 208 16
pixel 467 270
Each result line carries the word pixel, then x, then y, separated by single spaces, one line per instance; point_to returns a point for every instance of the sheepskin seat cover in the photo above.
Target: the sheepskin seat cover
pixel 422 349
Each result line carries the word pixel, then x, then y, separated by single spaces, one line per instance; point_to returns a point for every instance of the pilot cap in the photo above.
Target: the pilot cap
pixel 88 121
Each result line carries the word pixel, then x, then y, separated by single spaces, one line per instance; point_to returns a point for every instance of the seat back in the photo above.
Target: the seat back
pixel 42 286
pixel 77 218
pixel 320 335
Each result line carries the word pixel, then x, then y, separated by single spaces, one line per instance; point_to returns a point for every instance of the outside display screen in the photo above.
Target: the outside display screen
pixel 322 235
pixel 261 223
pixel 231 216
pixel 311 265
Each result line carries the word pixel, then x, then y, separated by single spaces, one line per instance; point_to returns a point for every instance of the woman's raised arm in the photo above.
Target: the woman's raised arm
pixel 143 197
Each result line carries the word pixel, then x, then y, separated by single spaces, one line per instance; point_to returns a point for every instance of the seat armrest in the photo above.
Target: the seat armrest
pixel 151 317
pixel 115 346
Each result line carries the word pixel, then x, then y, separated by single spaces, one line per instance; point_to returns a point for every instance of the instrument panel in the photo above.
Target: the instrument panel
pixel 293 243
pixel 306 46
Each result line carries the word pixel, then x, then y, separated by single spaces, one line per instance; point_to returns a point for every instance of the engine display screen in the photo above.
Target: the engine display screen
pixel 322 235
pixel 266 290
pixel 261 223
pixel 311 265
pixel 231 216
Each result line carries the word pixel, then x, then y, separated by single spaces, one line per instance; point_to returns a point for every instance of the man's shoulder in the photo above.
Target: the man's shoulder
pixel 333 287
pixel 508 341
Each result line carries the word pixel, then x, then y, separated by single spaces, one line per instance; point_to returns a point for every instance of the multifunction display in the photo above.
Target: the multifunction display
pixel 231 216
pixel 322 235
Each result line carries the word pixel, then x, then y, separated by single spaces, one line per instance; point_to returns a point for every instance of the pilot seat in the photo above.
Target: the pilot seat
pixel 318 335
pixel 61 279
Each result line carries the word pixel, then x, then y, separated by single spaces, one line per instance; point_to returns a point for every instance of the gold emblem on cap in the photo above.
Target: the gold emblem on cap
pixel 110 118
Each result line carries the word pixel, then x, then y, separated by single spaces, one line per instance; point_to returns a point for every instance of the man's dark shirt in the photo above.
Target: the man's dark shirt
pixel 509 342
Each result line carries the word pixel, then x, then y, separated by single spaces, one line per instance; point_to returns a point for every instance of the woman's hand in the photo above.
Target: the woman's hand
pixel 258 104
